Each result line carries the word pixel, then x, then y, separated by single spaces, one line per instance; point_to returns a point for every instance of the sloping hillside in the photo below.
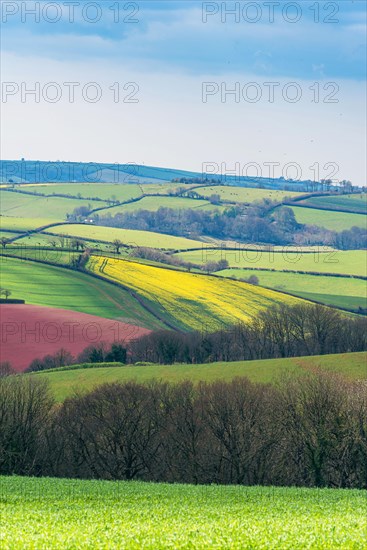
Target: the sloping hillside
pixel 192 301
pixel 56 287
pixel 64 382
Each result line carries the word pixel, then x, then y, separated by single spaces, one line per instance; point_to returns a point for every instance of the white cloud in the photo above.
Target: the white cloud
pixel 170 126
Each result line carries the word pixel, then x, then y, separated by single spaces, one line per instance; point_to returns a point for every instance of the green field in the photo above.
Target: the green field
pixel 185 300
pixel 63 382
pixel 30 206
pixel 243 194
pixel 33 240
pixel 8 235
pixel 130 237
pixel 105 191
pixel 219 243
pixel 57 256
pixel 164 188
pixel 124 192
pixel 53 513
pixel 37 240
pixel 358 203
pixel 18 223
pixel 339 292
pixel 335 221
pixel 153 203
pixel 349 262
pixel 46 285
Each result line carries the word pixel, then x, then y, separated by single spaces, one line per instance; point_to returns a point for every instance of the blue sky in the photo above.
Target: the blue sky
pixel 170 52
pixel 172 35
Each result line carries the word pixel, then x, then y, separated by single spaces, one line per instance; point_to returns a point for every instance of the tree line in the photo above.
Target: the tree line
pixel 279 332
pixel 262 222
pixel 308 430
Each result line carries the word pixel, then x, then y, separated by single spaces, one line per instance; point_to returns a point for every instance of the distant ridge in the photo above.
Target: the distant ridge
pixel 35 171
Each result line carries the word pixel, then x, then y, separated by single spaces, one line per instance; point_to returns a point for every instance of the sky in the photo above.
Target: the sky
pixel 254 88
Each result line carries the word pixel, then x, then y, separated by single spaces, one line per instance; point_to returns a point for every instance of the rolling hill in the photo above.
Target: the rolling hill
pixel 24 223
pixel 349 262
pixel 341 292
pixel 30 206
pixel 31 171
pixel 145 295
pixel 56 287
pixel 130 237
pixel 355 202
pixel 191 301
pixel 64 381
pixel 335 221
pixel 246 195
pixel 154 203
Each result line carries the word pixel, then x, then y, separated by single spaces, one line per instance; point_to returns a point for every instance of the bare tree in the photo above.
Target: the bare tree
pixel 186 441
pixel 313 415
pixel 114 431
pixel 237 414
pixel 25 404
pixel 210 267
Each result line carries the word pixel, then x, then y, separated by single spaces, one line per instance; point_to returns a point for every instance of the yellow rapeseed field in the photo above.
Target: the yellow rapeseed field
pixel 193 300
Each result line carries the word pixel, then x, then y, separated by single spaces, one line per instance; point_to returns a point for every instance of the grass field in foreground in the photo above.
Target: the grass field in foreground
pixel 192 300
pixel 46 285
pixel 349 262
pixel 337 291
pixel 336 221
pixel 54 513
pixel 129 237
pixel 64 382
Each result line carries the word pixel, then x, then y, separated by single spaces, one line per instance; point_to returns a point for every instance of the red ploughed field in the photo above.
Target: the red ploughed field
pixel 29 332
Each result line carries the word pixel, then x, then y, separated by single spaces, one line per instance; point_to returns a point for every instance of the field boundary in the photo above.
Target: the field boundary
pixel 315 273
